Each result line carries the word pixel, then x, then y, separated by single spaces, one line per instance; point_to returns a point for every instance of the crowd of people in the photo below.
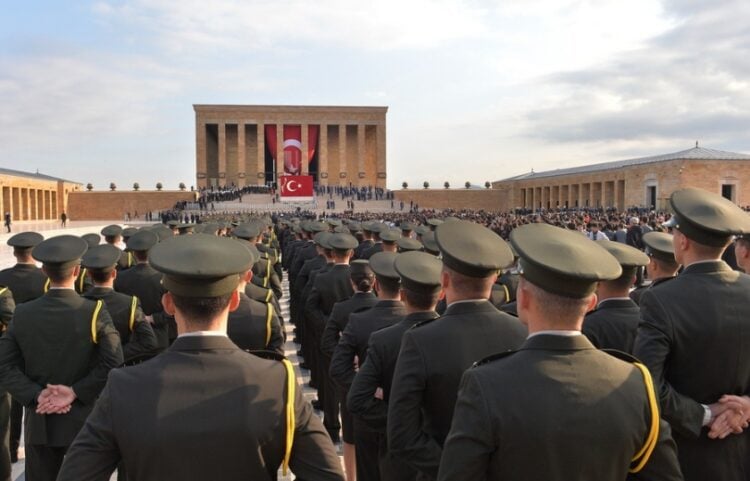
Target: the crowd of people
pixel 441 344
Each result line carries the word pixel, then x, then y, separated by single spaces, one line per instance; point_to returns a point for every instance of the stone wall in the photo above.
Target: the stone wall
pixel 485 199
pixel 108 205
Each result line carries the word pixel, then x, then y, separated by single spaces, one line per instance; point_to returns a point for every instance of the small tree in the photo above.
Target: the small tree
pixel 467 184
pixel 404 185
pixel 89 186
pixel 487 185
pixel 136 186
pixel 447 184
pixel 426 184
pixel 112 186
pixel 159 186
pixel 182 186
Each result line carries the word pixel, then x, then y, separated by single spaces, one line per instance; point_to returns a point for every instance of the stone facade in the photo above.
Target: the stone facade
pixel 231 146
pixel 485 199
pixel 632 183
pixel 28 196
pixel 113 205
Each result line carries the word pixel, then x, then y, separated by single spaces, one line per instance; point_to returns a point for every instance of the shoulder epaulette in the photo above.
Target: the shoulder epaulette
pixel 268 355
pixel 621 355
pixel 422 323
pixel 493 357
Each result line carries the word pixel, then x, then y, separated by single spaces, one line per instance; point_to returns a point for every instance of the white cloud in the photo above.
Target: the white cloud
pixel 249 25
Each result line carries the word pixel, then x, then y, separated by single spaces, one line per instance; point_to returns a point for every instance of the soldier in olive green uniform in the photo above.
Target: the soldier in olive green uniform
pixel 435 354
pixel 7 306
pixel 370 392
pixel 60 339
pixel 557 408
pixel 614 322
pixel 204 409
pixel 27 282
pixel 113 236
pixel 136 335
pixel 662 266
pixel 695 335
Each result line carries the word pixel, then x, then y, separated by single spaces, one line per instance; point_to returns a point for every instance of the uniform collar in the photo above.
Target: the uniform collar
pixel 469 306
pixel 195 342
pixel 705 267
pixel 616 302
pixel 420 316
pixel 552 342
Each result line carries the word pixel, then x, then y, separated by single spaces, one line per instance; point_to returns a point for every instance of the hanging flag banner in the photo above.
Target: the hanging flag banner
pixel 296 188
pixel 292 146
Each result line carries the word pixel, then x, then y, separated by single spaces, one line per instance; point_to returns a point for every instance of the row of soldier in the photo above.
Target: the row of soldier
pixel 390 335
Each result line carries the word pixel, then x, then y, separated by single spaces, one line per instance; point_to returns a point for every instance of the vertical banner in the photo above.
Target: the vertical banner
pixel 296 188
pixel 292 138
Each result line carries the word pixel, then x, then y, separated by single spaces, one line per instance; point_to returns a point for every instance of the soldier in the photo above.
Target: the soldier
pixel 254 326
pixel 557 408
pixel 26 282
pixel 376 228
pixel 661 267
pixel 352 350
pixel 370 391
pixel 406 244
pixel 7 306
pixel 614 322
pixel 694 334
pixel 435 354
pixel 143 282
pixel 136 335
pixel 222 412
pixel 113 235
pixel 328 289
pixel 366 242
pixel 364 298
pixel 58 346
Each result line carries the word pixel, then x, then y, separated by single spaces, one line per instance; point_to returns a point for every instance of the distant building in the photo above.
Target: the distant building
pixel 29 196
pixel 645 182
pixel 254 144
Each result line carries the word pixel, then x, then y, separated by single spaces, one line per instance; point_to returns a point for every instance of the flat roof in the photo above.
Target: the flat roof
pixel 696 153
pixel 32 175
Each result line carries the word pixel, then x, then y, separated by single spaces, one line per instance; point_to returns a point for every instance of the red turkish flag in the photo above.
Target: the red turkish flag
pixel 296 187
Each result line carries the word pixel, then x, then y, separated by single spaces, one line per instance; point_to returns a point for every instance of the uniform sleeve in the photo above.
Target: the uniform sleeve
pixel 342 361
pixel 361 399
pixel 108 356
pixel 142 339
pixel 276 284
pixel 276 343
pixel 313 454
pixel 329 339
pixel 470 442
pixel 7 306
pixel 652 346
pixel 406 439
pixel 313 312
pixel 663 464
pixel 94 454
pixel 20 386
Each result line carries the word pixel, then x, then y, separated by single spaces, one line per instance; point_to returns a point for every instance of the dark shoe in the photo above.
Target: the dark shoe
pixel 300 354
pixel 302 365
pixel 312 385
pixel 296 341
pixel 14 456
pixel 316 404
pixel 335 437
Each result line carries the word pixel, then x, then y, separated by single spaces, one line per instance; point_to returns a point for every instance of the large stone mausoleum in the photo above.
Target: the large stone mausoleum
pixel 254 144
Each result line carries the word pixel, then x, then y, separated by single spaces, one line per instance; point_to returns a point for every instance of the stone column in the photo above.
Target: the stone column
pixel 222 143
pixel 27 207
pixel 360 153
pixel 261 159
pixel 323 154
pixel 381 168
pixel 342 156
pixel 279 150
pixel 305 170
pixel 241 160
pixel 201 164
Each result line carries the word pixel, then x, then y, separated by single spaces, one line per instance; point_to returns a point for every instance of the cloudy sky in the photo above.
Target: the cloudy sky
pixel 477 90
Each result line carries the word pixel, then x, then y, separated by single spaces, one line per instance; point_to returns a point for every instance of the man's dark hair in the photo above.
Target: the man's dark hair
pixel 58 275
pixel 388 285
pixel 140 256
pixel 424 301
pixel 200 310
pixel 99 276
